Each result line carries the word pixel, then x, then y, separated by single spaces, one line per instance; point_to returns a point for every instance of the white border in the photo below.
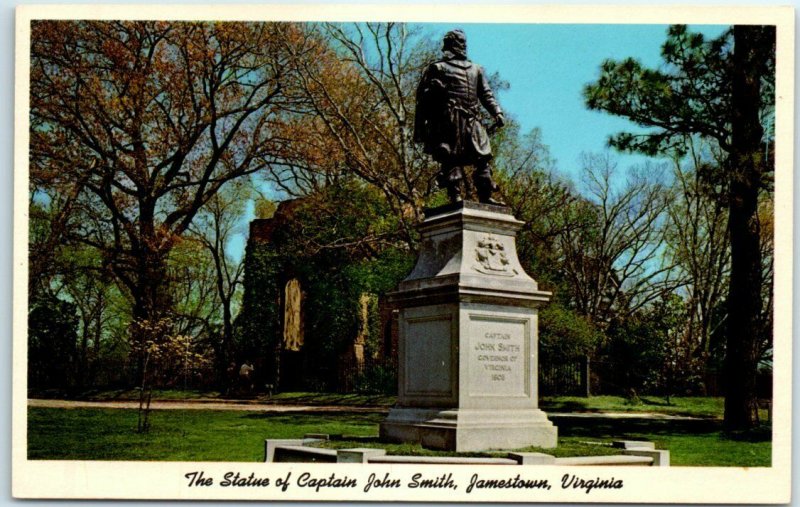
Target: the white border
pixel 159 480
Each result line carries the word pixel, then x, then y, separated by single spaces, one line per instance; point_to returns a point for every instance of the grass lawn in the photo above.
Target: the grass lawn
pixel 176 435
pixel 691 443
pixel 691 406
pixel 204 435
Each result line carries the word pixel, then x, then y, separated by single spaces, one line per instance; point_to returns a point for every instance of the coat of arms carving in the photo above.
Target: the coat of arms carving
pixel 492 258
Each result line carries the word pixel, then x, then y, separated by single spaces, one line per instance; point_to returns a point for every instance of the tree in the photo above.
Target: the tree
pixel 52 337
pixel 88 288
pixel 565 334
pixel 357 86
pixel 166 357
pixel 697 244
pixel 612 264
pixel 753 52
pixel 214 228
pixel 537 195
pixel 149 120
pixel 650 350
pixel 719 90
pixel 192 289
pixel 71 273
pixel 49 217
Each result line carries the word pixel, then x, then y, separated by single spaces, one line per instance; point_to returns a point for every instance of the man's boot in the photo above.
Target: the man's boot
pixel 484 191
pixel 454 191
pixel 484 185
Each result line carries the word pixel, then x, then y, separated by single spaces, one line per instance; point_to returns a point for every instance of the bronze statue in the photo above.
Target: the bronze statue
pixel 447 121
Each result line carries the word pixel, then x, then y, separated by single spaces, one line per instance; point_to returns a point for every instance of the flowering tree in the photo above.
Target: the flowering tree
pixel 142 123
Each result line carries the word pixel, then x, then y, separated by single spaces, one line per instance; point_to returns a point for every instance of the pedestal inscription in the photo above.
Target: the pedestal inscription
pixel 498 357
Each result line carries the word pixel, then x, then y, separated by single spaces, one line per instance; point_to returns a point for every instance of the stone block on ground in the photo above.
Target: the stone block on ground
pixel 660 457
pixel 271 443
pixel 633 444
pixel 303 454
pixel 532 458
pixel 358 455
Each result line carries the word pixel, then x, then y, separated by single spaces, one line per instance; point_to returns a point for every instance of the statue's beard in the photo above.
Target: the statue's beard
pixel 452 53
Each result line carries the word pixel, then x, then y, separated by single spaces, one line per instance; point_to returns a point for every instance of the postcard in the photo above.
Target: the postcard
pixel 338 252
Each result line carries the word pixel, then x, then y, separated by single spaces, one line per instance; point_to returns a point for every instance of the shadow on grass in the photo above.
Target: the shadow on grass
pixel 301 418
pixel 565 406
pixel 123 394
pixel 584 406
pixel 330 399
pixel 597 427
pixel 650 401
pixel 761 433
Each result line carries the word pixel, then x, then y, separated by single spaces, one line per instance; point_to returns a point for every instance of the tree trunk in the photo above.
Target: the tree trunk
pixel 227 331
pixel 98 334
pixel 83 375
pixel 151 300
pixel 744 298
pixel 226 353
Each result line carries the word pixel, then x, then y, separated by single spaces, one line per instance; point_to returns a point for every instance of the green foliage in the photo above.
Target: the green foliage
pixel 52 338
pixel 650 352
pixel 257 329
pixel 332 309
pixel 684 364
pixel 377 276
pixel 332 320
pixel 265 208
pixel 339 243
pixel 691 95
pixel 377 379
pixel 436 199
pixel 565 335
pixel 634 354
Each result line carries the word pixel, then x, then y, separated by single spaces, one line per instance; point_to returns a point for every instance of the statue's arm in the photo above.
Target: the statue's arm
pixel 420 110
pixel 423 83
pixel 486 96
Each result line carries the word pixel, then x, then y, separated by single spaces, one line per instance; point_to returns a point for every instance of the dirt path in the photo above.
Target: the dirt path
pixel 242 405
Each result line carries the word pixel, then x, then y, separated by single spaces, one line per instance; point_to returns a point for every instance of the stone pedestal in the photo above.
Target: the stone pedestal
pixel 468 346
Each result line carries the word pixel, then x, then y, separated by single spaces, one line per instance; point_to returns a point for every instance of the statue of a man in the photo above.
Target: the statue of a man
pixel 447 121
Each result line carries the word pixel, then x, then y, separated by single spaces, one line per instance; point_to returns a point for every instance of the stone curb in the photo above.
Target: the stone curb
pixel 635 453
